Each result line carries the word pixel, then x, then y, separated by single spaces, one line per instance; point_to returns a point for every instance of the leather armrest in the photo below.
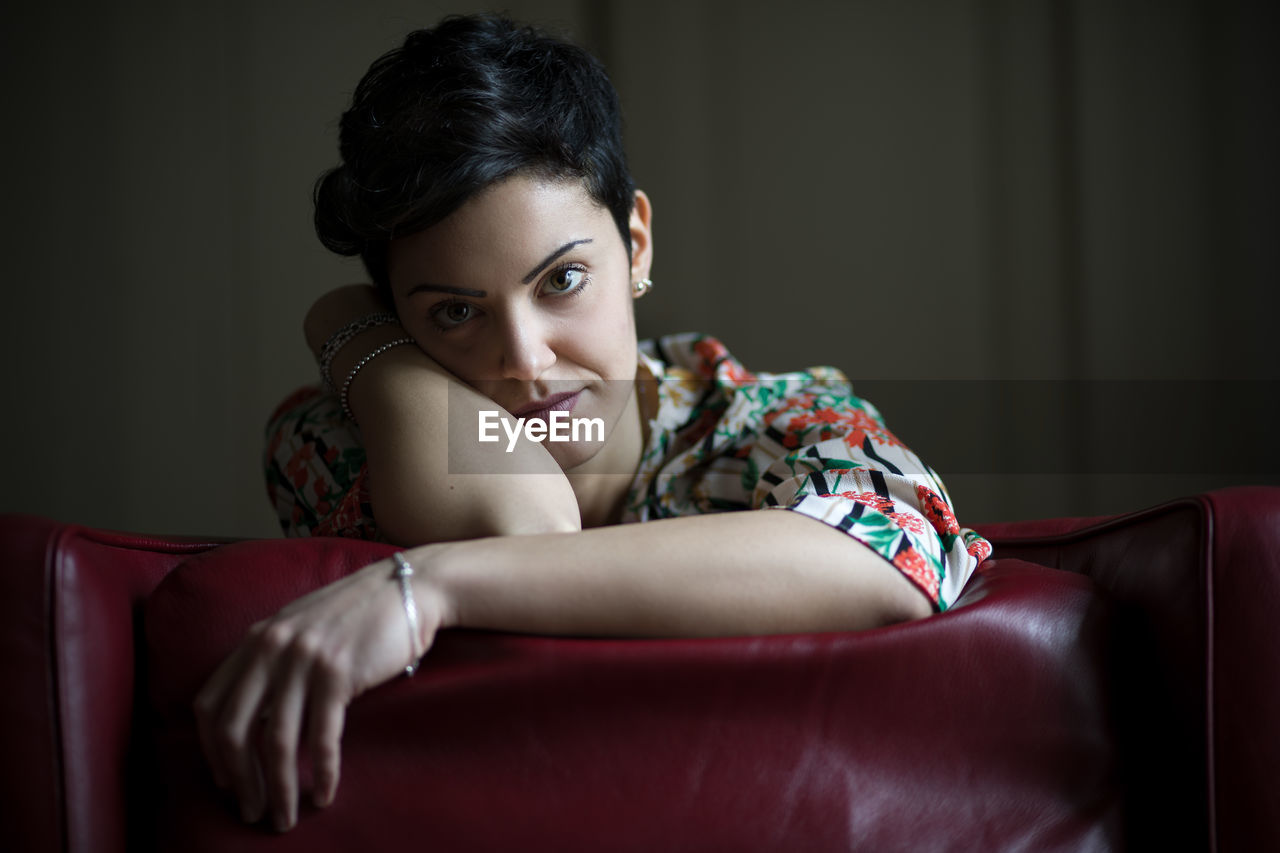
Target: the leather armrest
pixel 1243 595
pixel 1196 584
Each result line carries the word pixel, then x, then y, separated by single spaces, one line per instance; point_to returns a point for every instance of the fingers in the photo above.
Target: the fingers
pixel 207 705
pixel 245 709
pixel 251 705
pixel 326 716
pixel 226 710
pixel 292 677
pixel 279 742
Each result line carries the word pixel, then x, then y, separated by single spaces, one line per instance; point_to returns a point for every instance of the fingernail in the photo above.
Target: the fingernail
pixel 283 823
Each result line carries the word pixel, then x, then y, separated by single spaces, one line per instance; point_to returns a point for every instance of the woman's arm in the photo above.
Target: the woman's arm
pixel 405 403
pixel 753 572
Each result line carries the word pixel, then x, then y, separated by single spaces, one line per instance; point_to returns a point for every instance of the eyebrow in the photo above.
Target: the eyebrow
pixel 551 257
pixel 445 288
pixel 480 294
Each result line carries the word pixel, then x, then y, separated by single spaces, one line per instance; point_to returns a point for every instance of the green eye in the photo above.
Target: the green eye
pixel 565 280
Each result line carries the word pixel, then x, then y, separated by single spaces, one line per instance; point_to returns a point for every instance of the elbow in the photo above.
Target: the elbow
pixel 907 604
pixel 920 608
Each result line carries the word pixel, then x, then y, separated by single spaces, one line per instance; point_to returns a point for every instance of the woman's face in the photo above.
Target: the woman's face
pixel 525 294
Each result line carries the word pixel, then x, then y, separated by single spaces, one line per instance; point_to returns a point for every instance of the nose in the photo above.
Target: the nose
pixel 526 350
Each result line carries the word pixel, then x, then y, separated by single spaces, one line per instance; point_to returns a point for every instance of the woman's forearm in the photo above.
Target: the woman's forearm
pixel 422 489
pixel 761 572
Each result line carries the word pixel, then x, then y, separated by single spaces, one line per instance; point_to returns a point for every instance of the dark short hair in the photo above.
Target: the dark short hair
pixel 456 109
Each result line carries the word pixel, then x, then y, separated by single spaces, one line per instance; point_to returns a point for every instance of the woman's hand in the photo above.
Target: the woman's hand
pixel 292 677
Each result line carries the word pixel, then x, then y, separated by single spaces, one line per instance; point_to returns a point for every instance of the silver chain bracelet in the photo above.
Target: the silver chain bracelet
pixel 342 337
pixel 346 386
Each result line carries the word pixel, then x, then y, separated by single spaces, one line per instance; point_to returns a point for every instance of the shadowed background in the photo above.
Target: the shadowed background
pixel 1039 234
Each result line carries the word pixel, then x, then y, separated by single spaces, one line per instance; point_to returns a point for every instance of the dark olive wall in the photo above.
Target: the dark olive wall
pixel 1040 235
pixel 1071 209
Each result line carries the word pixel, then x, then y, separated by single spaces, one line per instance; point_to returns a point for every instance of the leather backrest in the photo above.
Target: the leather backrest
pixel 986 727
pixel 70 603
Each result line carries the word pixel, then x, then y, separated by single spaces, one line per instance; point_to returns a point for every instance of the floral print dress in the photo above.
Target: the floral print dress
pixel 720 439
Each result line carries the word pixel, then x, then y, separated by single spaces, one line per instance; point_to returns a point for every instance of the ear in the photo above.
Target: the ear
pixel 641 237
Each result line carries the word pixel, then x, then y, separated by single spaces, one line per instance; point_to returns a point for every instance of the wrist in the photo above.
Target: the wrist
pixel 435 596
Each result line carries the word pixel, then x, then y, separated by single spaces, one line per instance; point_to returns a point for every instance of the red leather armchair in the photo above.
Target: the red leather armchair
pixel 1103 683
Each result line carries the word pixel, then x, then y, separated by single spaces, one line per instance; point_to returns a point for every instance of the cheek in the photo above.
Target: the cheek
pixel 618 327
pixel 621 308
pixel 604 340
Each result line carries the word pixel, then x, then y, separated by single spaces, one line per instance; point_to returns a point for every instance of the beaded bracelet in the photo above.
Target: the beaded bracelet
pixel 346 386
pixel 342 337
pixel 402 572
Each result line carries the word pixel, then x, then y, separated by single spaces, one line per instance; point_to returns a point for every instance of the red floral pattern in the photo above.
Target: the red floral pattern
pixel 854 425
pixel 906 521
pixel 297 469
pixel 350 513
pixel 798 402
pixel 937 511
pixel 912 564
pixel 717 363
pixel 978 548
pixel 870 499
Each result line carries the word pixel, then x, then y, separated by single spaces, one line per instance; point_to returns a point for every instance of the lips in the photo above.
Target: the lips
pixel 542 409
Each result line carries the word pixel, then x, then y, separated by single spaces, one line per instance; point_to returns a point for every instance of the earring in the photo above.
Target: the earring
pixel 641 287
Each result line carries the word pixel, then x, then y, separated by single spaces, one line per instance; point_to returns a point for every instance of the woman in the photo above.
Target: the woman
pixel 484 185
